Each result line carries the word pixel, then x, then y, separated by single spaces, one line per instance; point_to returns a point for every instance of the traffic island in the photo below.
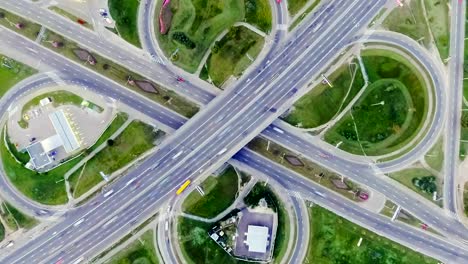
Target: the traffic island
pixel 390 114
pixel 187 33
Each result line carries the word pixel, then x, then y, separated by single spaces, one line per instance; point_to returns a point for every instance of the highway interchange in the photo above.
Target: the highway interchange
pixel 253 111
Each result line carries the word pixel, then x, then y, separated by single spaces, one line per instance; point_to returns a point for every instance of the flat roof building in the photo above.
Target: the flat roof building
pixel 257 238
pixel 64 130
pixel 64 137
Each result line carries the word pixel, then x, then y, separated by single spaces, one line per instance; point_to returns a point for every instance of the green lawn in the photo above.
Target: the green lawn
pixel 409 20
pixel 2 232
pixel 439 23
pixel 140 251
pixel 229 56
pixel 435 157
pixel 334 239
pixel 46 188
pixel 10 20
pixel 136 139
pixel 220 193
pixel 406 176
pixel 15 219
pixel 391 111
pixel 197 247
pixel 125 13
pixel 304 14
pixel 195 25
pixel 310 170
pixel 295 5
pixel 322 103
pixel 12 72
pixel 116 123
pixel 464 135
pixel 121 75
pixel 465 198
pixel 258 13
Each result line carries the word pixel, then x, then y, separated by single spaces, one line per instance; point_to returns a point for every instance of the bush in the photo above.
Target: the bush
pixel 426 184
pixel 260 191
pixel 184 40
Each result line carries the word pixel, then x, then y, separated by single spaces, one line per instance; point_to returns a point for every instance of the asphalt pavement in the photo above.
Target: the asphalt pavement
pixel 197 147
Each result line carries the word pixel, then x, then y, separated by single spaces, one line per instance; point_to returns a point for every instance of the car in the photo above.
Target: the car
pixel 103 12
pixel 180 79
pixel 363 196
pixel 278 1
pixel 33 139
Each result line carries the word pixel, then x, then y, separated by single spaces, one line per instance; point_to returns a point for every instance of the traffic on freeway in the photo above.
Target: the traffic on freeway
pixel 218 133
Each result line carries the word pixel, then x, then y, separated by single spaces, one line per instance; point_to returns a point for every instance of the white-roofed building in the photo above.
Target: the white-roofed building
pixel 257 238
pixel 64 130
pixel 43 152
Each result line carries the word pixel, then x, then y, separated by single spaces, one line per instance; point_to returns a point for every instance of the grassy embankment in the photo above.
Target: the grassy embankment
pixel 334 239
pixel 136 139
pixel 220 193
pixel 391 111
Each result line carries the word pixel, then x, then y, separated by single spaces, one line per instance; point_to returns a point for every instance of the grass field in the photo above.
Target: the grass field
pixel 435 157
pixel 304 14
pixel 10 20
pixel 16 219
pixel 334 239
pixel 2 232
pixel 439 23
pixel 11 76
pixel 405 177
pixel 258 13
pixel 465 198
pixel 390 112
pixel 230 55
pixel 310 170
pixel 322 103
pixel 197 247
pixel 295 5
pixel 409 20
pixel 125 13
pixel 464 135
pixel 199 22
pixel 140 251
pixel 116 123
pixel 136 139
pixel 46 188
pixel 196 23
pixel 121 75
pixel 220 193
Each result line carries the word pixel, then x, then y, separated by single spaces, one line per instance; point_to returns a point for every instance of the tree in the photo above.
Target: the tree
pixel 110 142
pixel 106 66
pixel 2 15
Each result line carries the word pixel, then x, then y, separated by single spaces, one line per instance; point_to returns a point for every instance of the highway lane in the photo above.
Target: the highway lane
pixel 406 235
pixel 190 87
pixel 455 93
pixel 122 53
pixel 181 121
pixel 365 175
pixel 168 151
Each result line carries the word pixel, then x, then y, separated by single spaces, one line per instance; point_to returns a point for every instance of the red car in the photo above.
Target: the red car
pixel 278 1
pixel 180 79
